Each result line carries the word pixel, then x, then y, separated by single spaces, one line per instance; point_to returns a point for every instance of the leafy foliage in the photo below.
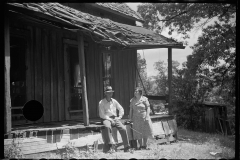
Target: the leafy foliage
pixel 182 17
pixel 141 69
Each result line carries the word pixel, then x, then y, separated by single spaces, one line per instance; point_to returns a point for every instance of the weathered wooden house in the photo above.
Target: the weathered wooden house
pixel 63 55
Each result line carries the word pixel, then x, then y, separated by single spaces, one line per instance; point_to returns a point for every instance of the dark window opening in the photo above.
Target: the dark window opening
pixel 106 69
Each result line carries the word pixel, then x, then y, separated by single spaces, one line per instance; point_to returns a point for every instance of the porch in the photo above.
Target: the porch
pixel 42 137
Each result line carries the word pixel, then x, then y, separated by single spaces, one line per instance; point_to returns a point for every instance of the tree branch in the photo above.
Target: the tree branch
pixel 175 16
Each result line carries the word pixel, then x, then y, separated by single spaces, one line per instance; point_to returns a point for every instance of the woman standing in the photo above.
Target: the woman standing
pixel 139 115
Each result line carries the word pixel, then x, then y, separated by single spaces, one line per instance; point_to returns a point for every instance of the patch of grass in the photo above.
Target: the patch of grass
pixel 189 145
pixel 201 137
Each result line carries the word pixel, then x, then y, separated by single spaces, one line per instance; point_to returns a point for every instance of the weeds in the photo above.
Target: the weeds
pixel 13 151
pixel 70 151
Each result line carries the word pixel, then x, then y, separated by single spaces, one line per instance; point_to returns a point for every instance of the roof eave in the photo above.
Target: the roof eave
pixel 155 46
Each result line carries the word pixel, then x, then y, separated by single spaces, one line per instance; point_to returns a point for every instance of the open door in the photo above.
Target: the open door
pixel 73 85
pixel 18 68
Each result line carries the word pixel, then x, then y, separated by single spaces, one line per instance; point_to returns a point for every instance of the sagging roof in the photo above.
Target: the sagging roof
pixel 104 31
pixel 122 8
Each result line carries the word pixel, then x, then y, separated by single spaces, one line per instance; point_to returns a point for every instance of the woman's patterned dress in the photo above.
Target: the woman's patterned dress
pixel 139 123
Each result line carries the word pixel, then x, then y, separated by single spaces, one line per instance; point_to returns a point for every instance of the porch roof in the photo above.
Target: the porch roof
pixel 104 31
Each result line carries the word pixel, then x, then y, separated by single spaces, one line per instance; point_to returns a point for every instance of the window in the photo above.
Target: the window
pixel 106 69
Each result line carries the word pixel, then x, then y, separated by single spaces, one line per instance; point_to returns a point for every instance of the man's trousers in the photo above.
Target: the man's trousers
pixel 107 132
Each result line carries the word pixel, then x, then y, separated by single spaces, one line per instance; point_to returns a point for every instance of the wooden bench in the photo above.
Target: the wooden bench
pixel 164 130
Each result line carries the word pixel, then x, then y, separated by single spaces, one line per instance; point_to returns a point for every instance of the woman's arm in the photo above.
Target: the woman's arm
pixel 147 106
pixel 147 113
pixel 130 112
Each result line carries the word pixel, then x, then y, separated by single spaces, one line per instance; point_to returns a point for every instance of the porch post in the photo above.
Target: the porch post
pixel 7 98
pixel 83 78
pixel 170 80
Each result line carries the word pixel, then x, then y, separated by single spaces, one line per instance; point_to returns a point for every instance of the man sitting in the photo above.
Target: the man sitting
pixel 107 112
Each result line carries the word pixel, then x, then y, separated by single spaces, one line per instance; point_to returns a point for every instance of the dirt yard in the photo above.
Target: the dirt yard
pixel 189 145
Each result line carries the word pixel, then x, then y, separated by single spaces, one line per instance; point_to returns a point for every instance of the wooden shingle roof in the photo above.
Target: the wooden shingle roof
pixel 104 31
pixel 122 8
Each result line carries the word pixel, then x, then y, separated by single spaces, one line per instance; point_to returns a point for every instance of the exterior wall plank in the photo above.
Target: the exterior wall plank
pixel 30 84
pixel 30 67
pixel 98 79
pixel 127 90
pixel 90 77
pixel 101 89
pixel 121 78
pixel 38 69
pixel 115 75
pixel 54 75
pixel 60 73
pixel 46 77
pixel 66 80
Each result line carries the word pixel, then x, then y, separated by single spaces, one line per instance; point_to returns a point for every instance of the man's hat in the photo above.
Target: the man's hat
pixel 108 89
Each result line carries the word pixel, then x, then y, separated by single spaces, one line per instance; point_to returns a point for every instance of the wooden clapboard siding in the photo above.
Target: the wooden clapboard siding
pixel 129 80
pixel 98 83
pixel 132 73
pixel 125 92
pixel 100 88
pixel 123 71
pixel 94 77
pixel 46 77
pixel 121 78
pixel 60 77
pixel 134 63
pixel 38 69
pixel 116 85
pixel 30 66
pixel 54 75
pixel 66 80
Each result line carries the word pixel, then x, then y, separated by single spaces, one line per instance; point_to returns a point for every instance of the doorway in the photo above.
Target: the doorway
pixel 73 85
pixel 18 68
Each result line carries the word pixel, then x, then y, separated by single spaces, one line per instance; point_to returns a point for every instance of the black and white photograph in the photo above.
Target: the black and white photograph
pixel 139 80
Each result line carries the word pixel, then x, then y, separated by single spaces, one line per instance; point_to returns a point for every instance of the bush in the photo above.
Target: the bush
pixel 188 115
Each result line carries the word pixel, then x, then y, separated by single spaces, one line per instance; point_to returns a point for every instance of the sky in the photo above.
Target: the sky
pixel 154 55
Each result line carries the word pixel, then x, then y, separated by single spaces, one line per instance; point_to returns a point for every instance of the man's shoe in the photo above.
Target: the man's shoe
pixel 127 149
pixel 112 148
pixel 144 148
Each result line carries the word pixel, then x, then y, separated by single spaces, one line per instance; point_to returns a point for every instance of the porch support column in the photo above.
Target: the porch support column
pixel 170 80
pixel 7 98
pixel 83 78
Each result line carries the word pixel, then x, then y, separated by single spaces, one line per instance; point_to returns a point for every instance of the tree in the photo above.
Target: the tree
pixel 183 17
pixel 141 69
pixel 162 78
pixel 217 43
